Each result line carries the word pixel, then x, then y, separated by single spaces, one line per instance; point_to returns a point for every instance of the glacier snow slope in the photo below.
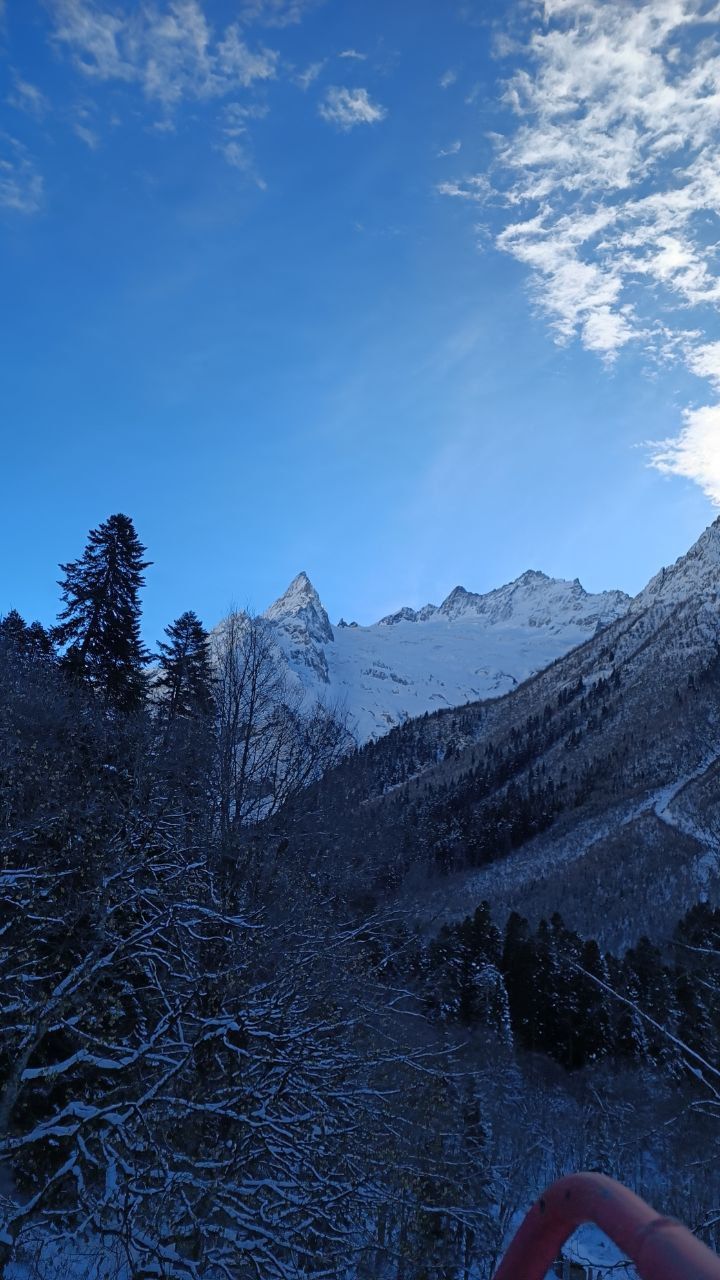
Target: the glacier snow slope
pixel 469 647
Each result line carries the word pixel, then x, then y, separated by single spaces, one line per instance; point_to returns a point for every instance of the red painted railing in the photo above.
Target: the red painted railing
pixel 660 1248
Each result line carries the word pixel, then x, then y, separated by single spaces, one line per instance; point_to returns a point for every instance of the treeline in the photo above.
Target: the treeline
pixel 253 738
pixel 549 991
pixel 97 641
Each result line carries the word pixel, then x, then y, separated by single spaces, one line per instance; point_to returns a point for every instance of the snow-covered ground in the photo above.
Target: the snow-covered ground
pixel 95 1261
pixel 592 1249
pixel 470 647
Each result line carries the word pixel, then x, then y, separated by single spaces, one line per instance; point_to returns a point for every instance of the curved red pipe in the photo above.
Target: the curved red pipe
pixel 661 1248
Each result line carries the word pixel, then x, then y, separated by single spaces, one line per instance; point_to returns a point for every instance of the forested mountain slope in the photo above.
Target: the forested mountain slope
pixel 591 787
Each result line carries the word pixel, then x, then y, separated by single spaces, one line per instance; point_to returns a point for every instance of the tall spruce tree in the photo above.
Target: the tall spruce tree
pixel 185 677
pixel 100 624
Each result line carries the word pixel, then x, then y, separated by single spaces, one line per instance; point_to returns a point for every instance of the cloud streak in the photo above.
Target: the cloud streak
pixel 21 186
pixel 235 144
pixel 27 97
pixel 171 50
pixel 347 108
pixel 608 182
pixel 277 13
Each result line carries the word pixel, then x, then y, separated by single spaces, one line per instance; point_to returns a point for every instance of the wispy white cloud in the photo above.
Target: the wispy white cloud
pixel 353 53
pixel 171 50
pixel 304 79
pixel 87 135
pixel 451 150
pixel 277 13
pixel 236 115
pixel 27 97
pixel 609 179
pixel 21 186
pixel 235 144
pixel 477 188
pixel 239 156
pixel 447 78
pixel 347 108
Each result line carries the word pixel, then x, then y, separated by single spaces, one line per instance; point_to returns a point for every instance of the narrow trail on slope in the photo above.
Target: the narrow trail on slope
pixel 547 852
pixel 709 841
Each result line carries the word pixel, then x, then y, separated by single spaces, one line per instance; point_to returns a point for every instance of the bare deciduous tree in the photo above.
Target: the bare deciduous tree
pixel 270 744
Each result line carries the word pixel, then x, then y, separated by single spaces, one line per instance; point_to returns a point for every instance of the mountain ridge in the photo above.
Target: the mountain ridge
pixel 593 784
pixel 472 645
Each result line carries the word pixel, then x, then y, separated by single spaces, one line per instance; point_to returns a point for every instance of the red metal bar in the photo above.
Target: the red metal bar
pixel 660 1248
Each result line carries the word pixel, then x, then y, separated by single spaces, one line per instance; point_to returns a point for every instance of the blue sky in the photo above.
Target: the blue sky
pixel 402 294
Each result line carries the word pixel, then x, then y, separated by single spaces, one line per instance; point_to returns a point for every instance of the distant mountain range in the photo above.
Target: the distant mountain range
pixel 469 647
pixel 593 786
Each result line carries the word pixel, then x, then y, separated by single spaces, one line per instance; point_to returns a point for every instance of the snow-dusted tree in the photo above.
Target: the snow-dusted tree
pixel 201 1090
pixel 269 744
pixel 100 624
pixel 169 1084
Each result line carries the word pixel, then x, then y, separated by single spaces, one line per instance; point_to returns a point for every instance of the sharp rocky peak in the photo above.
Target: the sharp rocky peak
pixel 300 593
pixel 300 609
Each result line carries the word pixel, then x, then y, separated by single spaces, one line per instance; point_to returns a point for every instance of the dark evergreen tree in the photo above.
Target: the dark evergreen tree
pixel 185 678
pixel 100 624
pixel 697 953
pixel 13 629
pixel 594 1009
pixel 38 641
pixel 547 1032
pixel 648 983
pixel 695 1027
pixel 629 1041
pixel 31 641
pixel 519 971
pixel 481 936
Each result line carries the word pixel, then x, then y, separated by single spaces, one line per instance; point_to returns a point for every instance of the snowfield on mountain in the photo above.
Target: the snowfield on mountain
pixel 469 647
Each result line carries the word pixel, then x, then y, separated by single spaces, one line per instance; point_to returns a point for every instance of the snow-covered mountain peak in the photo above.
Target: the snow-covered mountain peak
pixel 532 600
pixel 416 660
pixel 536 600
pixel 300 618
pixel 299 595
pixel 696 573
pixel 301 608
pixel 533 577
pixel 458 602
